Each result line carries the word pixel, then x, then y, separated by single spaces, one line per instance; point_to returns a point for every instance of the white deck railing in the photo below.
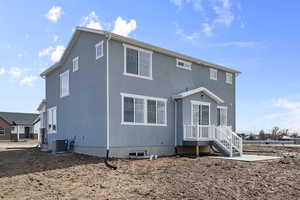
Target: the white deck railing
pixel 221 134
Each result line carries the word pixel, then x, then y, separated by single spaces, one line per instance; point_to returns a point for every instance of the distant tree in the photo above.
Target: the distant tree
pixel 294 135
pixel 251 136
pixel 275 133
pixel 262 135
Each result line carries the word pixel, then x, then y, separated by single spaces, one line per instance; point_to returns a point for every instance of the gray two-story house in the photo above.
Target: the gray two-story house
pixel 115 94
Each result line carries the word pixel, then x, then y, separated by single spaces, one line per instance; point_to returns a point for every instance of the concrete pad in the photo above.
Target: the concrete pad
pixel 247 158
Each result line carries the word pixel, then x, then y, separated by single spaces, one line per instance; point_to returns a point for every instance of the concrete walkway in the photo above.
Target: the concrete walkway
pixel 247 158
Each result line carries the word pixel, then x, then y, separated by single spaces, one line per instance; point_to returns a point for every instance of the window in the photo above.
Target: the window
pixel 99 50
pixel 142 110
pixel 52 120
pixel 221 116
pixel 2 130
pixel 183 64
pixel 228 78
pixel 13 129
pixel 75 64
pixel 137 62
pixel 64 84
pixel 200 113
pixel 213 74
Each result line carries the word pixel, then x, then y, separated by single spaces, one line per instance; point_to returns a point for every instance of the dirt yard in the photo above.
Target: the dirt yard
pixel 30 174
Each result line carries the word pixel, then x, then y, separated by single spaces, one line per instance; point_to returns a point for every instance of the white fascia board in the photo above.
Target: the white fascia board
pixel 197 90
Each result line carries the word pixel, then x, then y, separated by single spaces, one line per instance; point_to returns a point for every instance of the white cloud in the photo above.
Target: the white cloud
pixel 124 28
pixel 2 70
pixel 55 38
pixel 287 104
pixel 91 21
pixel 177 3
pixel 191 37
pixel 207 29
pixel 45 51
pixel 16 72
pixel 57 53
pixel 121 26
pixel 54 14
pixel 197 4
pixel 28 80
pixel 287 118
pixel 224 14
pixel 237 44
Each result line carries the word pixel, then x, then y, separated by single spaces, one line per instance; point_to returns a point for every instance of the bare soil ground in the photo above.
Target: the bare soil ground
pixel 31 174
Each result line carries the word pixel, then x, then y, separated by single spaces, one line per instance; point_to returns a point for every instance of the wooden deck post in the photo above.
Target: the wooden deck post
pixel 197 150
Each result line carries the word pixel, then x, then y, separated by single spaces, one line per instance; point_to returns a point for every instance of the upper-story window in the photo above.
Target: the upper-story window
pixel 183 64
pixel 75 64
pixel 213 74
pixel 228 78
pixel 137 62
pixel 64 84
pixel 99 50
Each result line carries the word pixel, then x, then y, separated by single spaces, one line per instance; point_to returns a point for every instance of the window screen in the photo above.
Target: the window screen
pixel 131 61
pixel 151 106
pixel 128 109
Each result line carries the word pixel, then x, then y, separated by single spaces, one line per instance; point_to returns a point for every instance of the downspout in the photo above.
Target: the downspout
pixel 175 142
pixel 107 107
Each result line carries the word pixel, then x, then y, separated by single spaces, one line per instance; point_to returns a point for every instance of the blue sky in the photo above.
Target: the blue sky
pixel 259 38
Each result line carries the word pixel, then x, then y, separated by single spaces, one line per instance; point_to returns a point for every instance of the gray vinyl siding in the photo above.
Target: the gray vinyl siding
pixel 82 114
pixel 168 80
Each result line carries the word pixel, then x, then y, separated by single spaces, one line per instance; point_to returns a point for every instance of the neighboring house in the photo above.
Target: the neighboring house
pixel 114 94
pixel 16 126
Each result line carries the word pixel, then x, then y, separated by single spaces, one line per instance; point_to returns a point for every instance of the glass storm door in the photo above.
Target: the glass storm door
pixel 201 114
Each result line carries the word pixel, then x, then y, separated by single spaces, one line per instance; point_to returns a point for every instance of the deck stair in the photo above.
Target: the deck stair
pixel 221 137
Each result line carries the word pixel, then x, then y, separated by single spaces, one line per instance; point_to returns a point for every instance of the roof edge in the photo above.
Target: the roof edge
pixel 139 44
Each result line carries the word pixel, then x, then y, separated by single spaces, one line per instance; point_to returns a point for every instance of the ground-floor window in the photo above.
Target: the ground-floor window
pixel 143 110
pixel 52 127
pixel 222 116
pixel 2 130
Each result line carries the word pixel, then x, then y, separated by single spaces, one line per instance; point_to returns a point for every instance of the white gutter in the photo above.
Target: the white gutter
pixel 107 94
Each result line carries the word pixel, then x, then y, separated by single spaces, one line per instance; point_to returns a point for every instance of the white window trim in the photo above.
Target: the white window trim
pixel 213 74
pixel 185 63
pixel 125 57
pixel 50 130
pixel 3 130
pixel 60 85
pixel 75 61
pixel 229 80
pixel 96 47
pixel 145 98
pixel 200 103
pixel 225 108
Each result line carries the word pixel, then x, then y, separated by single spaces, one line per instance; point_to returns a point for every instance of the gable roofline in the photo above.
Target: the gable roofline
pixel 197 90
pixel 135 43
